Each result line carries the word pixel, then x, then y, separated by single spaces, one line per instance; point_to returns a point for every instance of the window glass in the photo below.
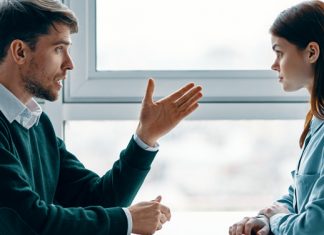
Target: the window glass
pixel 185 34
pixel 217 165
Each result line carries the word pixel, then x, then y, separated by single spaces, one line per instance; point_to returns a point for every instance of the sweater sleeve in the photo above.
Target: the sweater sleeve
pixel 12 223
pixel 22 206
pixel 80 187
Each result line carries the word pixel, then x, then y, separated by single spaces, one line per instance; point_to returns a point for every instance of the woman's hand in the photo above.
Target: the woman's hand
pixel 276 208
pixel 258 225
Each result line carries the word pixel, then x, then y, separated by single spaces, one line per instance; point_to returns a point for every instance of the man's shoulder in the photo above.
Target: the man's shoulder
pixel 4 123
pixel 2 116
pixel 44 118
pixel 5 135
pixel 45 126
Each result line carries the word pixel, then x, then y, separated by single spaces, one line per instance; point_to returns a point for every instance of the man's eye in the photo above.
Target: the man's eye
pixel 59 49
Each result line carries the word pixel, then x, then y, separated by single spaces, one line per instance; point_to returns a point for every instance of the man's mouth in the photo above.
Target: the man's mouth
pixel 59 83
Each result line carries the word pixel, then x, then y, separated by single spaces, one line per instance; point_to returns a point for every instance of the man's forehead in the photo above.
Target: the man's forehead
pixel 59 33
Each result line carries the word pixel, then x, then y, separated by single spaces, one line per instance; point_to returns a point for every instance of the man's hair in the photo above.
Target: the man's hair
pixel 28 19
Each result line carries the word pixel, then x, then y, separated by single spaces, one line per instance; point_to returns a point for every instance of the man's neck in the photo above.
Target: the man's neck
pixel 22 95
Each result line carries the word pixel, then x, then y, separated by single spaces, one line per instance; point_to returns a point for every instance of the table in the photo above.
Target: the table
pixel 202 223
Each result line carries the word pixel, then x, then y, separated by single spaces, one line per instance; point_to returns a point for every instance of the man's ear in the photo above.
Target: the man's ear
pixel 18 50
pixel 313 51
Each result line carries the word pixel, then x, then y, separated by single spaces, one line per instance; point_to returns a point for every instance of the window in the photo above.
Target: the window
pixel 243 103
pixel 185 34
pixel 185 41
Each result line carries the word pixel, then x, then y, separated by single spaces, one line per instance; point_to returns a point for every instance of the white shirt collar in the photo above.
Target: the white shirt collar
pixel 13 109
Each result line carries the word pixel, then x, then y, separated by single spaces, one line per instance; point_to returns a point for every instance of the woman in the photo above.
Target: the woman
pixel 297 37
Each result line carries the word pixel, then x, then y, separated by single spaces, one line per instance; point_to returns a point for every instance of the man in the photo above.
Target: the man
pixel 44 188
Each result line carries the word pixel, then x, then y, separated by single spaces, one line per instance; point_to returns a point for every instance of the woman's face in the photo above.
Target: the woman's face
pixel 292 64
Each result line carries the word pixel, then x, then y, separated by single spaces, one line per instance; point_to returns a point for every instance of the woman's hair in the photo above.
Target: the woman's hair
pixel 28 19
pixel 300 25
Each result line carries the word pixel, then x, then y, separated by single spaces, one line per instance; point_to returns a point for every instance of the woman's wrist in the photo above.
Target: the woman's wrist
pixel 262 216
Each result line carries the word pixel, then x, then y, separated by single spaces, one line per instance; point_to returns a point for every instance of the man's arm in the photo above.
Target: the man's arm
pixel 79 186
pixel 49 219
pixel 120 185
pixel 24 207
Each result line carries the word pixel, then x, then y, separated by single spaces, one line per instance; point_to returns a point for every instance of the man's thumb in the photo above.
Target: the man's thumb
pixel 158 199
pixel 148 98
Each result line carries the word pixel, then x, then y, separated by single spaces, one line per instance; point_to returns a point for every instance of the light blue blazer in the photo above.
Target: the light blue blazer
pixel 305 199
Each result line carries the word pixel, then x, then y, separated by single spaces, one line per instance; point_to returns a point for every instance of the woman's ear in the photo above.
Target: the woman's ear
pixel 18 51
pixel 313 51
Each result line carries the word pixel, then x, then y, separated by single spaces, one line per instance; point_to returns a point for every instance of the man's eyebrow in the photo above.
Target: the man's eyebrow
pixel 67 43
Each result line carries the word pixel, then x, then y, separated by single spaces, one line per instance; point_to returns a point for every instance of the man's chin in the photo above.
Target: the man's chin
pixel 53 98
pixel 48 97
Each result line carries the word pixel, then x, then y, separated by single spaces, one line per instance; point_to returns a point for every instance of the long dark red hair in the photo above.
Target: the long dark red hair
pixel 300 25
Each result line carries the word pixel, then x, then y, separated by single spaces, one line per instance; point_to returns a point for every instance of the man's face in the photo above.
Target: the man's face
pixel 47 65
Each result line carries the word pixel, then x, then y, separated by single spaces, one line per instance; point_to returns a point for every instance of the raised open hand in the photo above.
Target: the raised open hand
pixel 158 117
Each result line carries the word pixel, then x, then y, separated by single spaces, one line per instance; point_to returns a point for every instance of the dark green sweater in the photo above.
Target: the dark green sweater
pixel 46 190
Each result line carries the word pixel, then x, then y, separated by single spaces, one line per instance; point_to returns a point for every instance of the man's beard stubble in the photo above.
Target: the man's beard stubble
pixel 34 86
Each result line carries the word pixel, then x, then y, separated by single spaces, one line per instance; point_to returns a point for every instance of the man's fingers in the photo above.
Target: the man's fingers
pixel 189 110
pixel 163 218
pixel 165 211
pixel 148 98
pixel 159 226
pixel 158 199
pixel 183 90
pixel 186 99
pixel 192 100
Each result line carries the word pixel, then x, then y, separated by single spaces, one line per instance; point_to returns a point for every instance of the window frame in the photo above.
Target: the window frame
pixel 94 95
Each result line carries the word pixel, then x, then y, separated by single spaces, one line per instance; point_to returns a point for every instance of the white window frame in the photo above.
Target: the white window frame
pixel 115 95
